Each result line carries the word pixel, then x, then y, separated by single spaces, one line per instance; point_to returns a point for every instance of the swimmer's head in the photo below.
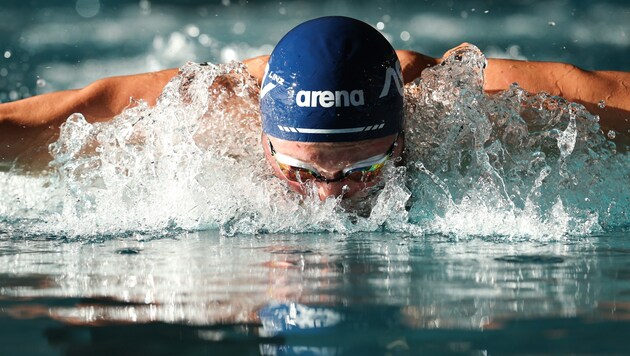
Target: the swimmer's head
pixel 332 79
pixel 332 107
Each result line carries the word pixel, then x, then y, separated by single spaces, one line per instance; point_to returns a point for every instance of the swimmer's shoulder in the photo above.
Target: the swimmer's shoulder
pixel 256 66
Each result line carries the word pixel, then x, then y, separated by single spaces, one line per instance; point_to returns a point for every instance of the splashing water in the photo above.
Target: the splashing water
pixel 512 164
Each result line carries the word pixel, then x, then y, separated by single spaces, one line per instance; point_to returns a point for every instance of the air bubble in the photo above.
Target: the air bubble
pixel 611 134
pixel 41 83
pixel 7 54
pixel 380 26
pixel 551 23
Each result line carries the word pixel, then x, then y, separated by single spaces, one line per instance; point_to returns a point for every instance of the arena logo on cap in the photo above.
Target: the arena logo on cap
pixel 328 99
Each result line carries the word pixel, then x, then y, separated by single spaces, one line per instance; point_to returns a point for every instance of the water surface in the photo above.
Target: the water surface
pixel 163 232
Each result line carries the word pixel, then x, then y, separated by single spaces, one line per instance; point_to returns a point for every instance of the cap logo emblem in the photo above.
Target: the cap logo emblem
pixel 328 99
pixel 393 74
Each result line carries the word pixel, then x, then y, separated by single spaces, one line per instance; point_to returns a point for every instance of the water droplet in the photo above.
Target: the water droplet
pixel 41 83
pixel 386 18
pixel 228 54
pixel 538 154
pixel 145 7
pixel 225 2
pixel 4 72
pixel 282 11
pixel 487 11
pixel 380 26
pixel 239 28
pixel 551 23
pixel 611 134
pixel 192 30
pixel 405 36
pixel 601 104
pixel 7 54
pixel 514 51
pixel 88 8
pixel 205 40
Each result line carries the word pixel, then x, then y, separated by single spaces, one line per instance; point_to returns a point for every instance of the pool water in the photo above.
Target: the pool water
pixel 163 232
pixel 369 293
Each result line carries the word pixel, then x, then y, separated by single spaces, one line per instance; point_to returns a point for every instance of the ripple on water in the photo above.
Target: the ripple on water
pixel 531 259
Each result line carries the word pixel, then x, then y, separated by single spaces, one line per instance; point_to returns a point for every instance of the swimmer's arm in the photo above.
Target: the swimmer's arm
pixel 413 63
pixel 98 101
pixel 570 82
pixel 256 67
pixel 27 126
pixel 566 80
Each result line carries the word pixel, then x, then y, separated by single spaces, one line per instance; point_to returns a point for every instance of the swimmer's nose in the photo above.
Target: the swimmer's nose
pixel 333 189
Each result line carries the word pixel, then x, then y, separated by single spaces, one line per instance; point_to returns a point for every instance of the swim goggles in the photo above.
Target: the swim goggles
pixel 363 171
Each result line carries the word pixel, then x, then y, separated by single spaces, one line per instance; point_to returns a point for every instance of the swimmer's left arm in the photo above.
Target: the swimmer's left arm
pixel 570 82
pixel 413 63
pixel 561 79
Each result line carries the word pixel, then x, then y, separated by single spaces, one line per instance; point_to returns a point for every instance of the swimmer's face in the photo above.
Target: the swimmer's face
pixel 329 160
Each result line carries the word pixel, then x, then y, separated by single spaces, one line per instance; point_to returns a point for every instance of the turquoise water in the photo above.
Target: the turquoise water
pixel 374 293
pixel 146 237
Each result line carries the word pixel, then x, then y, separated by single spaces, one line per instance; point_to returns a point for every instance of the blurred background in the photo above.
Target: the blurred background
pixel 48 45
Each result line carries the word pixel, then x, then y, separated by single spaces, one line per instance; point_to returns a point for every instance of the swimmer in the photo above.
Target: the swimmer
pixel 331 103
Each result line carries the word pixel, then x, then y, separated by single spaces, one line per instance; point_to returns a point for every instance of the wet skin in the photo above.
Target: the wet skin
pixel 330 159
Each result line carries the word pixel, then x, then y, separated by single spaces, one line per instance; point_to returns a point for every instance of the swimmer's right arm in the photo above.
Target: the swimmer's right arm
pixel 98 101
pixel 27 126
pixel 256 67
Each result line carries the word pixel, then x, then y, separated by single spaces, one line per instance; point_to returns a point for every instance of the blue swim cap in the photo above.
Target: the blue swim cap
pixel 332 79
